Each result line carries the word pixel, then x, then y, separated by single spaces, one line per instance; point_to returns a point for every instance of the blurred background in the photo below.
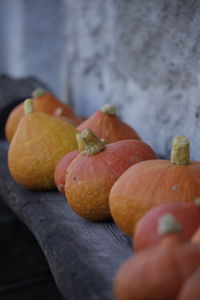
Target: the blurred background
pixel 32 35
pixel 142 56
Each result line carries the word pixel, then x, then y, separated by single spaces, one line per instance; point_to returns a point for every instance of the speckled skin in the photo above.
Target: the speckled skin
pixel 47 103
pixel 90 178
pixel 148 185
pixel 39 143
pixel 146 233
pixel 109 127
pixel 60 170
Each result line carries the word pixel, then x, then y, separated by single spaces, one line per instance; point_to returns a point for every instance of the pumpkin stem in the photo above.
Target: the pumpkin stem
pixel 197 201
pixel 180 153
pixel 28 106
pixel 168 224
pixel 92 143
pixel 39 92
pixel 108 109
pixel 104 141
pixel 80 142
pixel 58 111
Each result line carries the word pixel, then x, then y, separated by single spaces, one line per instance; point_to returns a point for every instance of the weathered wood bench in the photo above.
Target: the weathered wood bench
pixel 83 256
pixel 24 274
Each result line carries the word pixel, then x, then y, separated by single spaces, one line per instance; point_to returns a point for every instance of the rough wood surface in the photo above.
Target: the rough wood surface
pixel 24 271
pixel 83 256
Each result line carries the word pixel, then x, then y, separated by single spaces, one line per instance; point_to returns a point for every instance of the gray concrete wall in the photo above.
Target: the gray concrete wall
pixel 142 55
pixel 32 39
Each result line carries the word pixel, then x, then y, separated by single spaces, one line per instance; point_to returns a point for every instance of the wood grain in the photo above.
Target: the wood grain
pixel 83 256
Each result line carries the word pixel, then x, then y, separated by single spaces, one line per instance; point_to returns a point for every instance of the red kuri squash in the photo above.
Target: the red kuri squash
pixel 151 183
pixel 92 173
pixel 44 102
pixel 107 125
pixel 188 214
pixel 158 273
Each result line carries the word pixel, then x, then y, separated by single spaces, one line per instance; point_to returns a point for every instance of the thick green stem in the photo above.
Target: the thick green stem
pixel 58 111
pixel 108 109
pixel 28 106
pixel 80 142
pixel 92 143
pixel 39 92
pixel 168 224
pixel 180 153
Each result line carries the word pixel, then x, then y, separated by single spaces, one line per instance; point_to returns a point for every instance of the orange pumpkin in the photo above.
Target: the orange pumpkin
pixel 92 173
pixel 60 170
pixel 106 124
pixel 188 214
pixel 158 273
pixel 151 183
pixel 43 102
pixel 191 288
pixel 38 144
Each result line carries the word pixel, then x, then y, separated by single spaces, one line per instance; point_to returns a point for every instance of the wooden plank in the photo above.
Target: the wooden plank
pixel 24 270
pixel 83 256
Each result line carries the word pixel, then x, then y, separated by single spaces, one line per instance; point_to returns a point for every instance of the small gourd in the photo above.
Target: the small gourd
pixel 107 125
pixel 154 182
pixel 44 102
pixel 159 272
pixel 188 214
pixel 39 143
pixel 92 173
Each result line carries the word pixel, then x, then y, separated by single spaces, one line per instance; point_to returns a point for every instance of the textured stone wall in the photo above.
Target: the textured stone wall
pixel 142 55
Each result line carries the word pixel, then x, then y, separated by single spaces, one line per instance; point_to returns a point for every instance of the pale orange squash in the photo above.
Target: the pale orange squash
pixel 151 183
